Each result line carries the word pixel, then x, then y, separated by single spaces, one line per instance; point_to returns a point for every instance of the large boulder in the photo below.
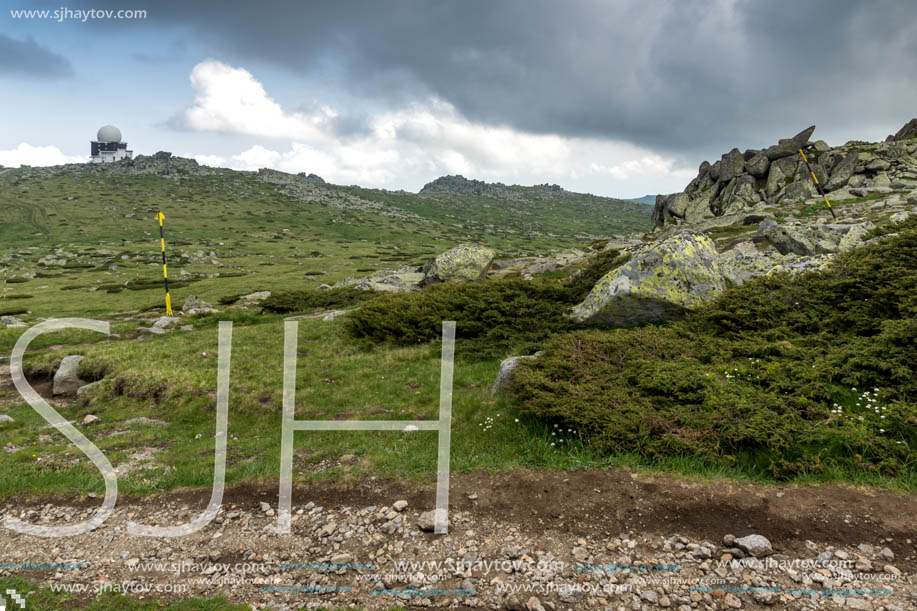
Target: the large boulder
pixel 841 173
pixel 66 380
pixel 660 282
pixel 733 165
pixel 790 146
pixel 463 263
pixel 758 165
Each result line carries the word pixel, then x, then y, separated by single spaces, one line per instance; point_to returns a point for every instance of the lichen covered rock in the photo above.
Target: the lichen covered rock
pixel 660 282
pixel 463 263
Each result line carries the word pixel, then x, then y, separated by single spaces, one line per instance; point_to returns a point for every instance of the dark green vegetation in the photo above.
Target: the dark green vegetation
pixel 313 300
pixel 493 319
pixel 812 375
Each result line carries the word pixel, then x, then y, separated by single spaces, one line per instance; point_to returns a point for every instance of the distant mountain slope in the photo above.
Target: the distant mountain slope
pixel 648 200
pixel 512 210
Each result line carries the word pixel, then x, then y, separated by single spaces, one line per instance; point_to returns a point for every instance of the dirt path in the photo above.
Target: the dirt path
pixel 549 524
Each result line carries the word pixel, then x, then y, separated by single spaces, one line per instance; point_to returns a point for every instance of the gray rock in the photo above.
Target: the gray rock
pixel 758 165
pixel 195 305
pixel 83 389
pixel 165 322
pixel 755 545
pixel 791 146
pixel 4 419
pixel 144 421
pixel 815 239
pixel 660 282
pixel 905 133
pixel 66 380
pixel 842 172
pixel 462 263
pixel 507 367
pixel 427 521
pixel 90 419
pixel 11 322
pixel 733 164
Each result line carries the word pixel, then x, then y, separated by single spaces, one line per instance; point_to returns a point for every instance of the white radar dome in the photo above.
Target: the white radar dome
pixel 109 133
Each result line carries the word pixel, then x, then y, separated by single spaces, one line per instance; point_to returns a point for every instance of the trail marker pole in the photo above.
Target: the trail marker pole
pixel 165 275
pixel 817 184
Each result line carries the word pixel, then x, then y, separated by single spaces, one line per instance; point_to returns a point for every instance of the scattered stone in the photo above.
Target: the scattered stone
pixel 400 505
pixel 755 545
pixel 90 419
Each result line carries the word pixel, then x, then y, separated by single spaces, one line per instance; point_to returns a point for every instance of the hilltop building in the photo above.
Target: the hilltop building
pixel 107 147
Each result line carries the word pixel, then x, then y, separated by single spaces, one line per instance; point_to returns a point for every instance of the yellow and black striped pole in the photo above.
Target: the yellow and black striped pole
pixel 165 275
pixel 817 184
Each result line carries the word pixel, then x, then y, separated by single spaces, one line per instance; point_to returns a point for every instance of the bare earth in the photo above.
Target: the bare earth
pixel 609 521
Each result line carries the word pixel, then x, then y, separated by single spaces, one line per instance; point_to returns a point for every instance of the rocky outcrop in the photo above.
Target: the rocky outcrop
pixel 745 262
pixel 195 305
pixel 660 282
pixel 757 179
pixel 907 132
pixel 528 267
pixel 11 322
pixel 814 239
pixel 462 263
pixel 459 185
pixel 400 280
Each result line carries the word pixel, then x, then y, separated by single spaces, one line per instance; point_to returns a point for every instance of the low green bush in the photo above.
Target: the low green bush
pixel 311 300
pixel 781 376
pixel 494 318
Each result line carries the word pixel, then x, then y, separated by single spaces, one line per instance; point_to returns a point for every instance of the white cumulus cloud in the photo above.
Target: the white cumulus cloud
pixel 404 148
pixel 26 154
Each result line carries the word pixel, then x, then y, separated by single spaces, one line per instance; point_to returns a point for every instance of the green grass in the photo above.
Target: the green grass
pixel 393 373
pixel 168 378
pixel 44 599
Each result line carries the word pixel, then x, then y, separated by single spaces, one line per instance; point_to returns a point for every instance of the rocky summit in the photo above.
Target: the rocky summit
pixel 757 179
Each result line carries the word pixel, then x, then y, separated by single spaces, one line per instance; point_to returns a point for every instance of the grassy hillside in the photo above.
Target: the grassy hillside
pixel 234 233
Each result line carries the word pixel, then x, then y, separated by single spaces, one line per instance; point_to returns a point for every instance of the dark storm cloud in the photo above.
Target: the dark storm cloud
pixel 28 58
pixel 680 76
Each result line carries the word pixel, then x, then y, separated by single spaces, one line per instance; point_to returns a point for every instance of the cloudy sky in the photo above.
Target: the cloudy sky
pixel 615 97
